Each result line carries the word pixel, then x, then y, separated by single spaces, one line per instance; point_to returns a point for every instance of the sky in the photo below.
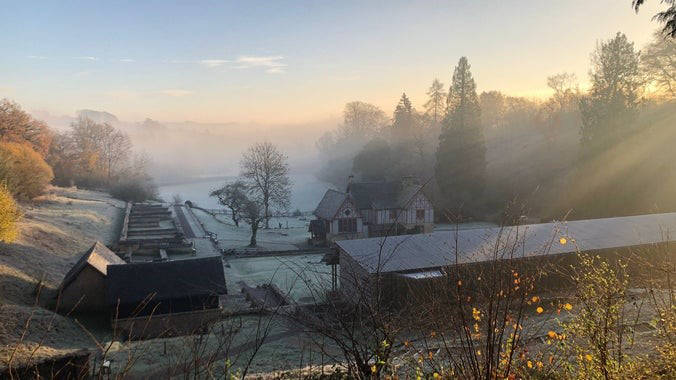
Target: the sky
pixel 289 61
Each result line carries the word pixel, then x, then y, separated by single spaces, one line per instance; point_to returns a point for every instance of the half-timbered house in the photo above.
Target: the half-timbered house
pixel 368 209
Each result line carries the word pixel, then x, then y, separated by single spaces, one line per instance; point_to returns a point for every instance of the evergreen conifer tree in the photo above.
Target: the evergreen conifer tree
pixel 435 107
pixel 461 156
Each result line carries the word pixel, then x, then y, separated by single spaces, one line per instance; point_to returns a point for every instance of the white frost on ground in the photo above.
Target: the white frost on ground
pixel 273 239
pixel 55 230
pixel 303 277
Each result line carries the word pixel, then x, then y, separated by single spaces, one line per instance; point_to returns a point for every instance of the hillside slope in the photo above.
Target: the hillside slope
pixel 54 231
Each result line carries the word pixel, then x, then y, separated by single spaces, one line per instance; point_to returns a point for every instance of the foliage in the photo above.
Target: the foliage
pixel 375 160
pixel 134 189
pixel 94 155
pixel 461 155
pixel 23 170
pixel 611 105
pixel 9 216
pixel 598 341
pixel 16 125
pixel 404 121
pixel 435 107
pixel 253 212
pixel 234 197
pixel 666 17
pixel 266 172
pixel 361 122
pixel 659 66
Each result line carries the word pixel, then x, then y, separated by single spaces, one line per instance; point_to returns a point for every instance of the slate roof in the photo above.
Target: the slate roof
pixel 98 257
pixel 382 195
pixel 330 203
pixel 437 249
pixel 133 282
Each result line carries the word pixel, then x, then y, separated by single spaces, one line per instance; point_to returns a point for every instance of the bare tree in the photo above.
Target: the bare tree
pixel 253 213
pixel 565 88
pixel 101 149
pixel 232 196
pixel 267 172
pixel 658 62
pixel 361 120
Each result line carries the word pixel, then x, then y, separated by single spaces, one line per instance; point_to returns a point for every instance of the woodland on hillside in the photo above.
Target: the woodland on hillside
pixel 593 152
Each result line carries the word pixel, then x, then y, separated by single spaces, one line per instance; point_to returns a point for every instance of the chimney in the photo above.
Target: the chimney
pixel 349 182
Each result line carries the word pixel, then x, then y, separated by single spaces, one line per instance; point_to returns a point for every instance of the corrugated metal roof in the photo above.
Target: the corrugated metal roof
pixel 330 203
pixel 437 249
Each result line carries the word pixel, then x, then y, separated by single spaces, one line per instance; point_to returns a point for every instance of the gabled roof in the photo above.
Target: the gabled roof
pixel 434 250
pixel 132 283
pixel 383 195
pixel 330 203
pixel 98 257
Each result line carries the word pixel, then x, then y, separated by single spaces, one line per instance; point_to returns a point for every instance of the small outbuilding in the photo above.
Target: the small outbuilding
pixel 84 287
pixel 177 297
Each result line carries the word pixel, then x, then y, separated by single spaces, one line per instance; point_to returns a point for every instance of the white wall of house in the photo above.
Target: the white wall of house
pixel 409 216
pixel 334 226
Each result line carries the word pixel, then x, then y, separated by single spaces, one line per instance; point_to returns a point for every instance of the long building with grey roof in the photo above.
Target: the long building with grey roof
pixel 423 256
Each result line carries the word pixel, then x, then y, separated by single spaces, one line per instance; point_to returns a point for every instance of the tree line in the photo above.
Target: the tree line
pixel 483 151
pixel 89 155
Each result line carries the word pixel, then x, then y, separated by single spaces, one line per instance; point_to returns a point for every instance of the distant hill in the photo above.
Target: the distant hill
pixel 98 116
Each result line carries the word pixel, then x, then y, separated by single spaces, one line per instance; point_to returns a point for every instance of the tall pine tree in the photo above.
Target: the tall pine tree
pixel 461 156
pixel 403 123
pixel 612 103
pixel 435 108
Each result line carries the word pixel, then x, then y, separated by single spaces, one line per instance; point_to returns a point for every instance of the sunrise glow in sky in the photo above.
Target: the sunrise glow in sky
pixel 289 61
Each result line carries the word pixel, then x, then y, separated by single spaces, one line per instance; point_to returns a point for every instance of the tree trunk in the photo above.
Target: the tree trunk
pixel 254 230
pixel 267 215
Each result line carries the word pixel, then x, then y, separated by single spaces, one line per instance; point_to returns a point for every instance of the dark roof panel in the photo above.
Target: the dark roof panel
pixel 98 256
pixel 383 195
pixel 330 203
pixel 133 282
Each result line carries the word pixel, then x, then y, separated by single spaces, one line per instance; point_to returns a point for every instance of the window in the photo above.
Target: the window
pixel 393 214
pixel 347 225
pixel 420 214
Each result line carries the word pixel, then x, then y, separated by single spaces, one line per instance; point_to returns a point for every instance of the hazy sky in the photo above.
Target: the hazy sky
pixel 289 61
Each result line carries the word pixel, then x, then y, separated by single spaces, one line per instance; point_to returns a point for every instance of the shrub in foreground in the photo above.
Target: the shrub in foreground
pixel 9 215
pixel 134 189
pixel 23 170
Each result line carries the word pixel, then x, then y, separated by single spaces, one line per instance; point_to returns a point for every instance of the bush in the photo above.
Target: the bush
pixel 23 170
pixel 134 189
pixel 9 215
